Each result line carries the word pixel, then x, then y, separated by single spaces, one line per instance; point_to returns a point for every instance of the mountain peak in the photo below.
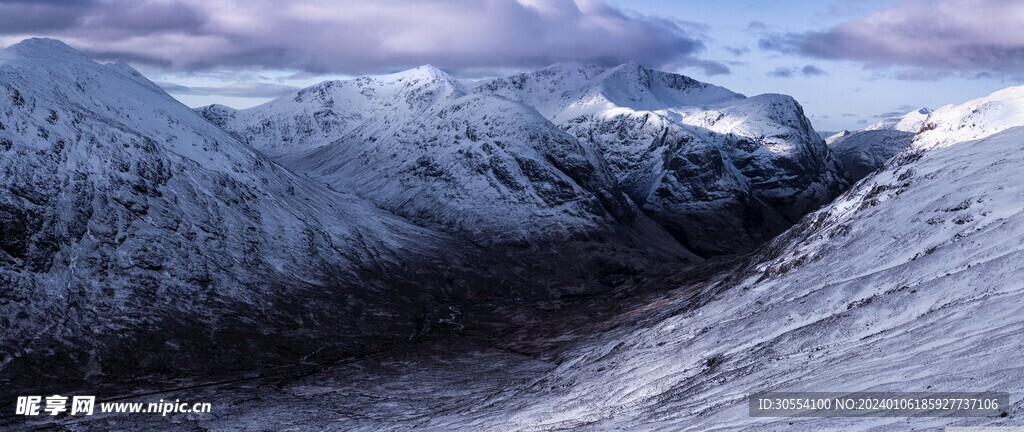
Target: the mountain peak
pixel 427 70
pixel 631 67
pixel 427 73
pixel 45 48
pixel 567 65
pixel 426 76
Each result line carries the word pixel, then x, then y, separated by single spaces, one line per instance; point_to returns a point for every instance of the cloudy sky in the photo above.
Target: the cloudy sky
pixel 849 62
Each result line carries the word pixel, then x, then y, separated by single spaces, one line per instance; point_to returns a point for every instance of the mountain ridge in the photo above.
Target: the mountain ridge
pixel 185 251
pixel 728 159
pixel 689 152
pixel 910 272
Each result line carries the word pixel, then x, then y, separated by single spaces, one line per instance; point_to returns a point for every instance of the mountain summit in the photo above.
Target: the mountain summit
pixel 721 171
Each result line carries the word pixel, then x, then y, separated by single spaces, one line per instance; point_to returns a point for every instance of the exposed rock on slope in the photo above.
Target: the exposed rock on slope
pixel 721 171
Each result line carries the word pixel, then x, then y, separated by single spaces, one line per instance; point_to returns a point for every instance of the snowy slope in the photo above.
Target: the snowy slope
pixel 933 302
pixel 135 234
pixel 865 151
pixel 418 144
pixel 564 91
pixel 974 119
pixel 723 172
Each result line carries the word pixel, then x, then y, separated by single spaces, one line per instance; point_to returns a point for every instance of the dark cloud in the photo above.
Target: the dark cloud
pixel 355 37
pixel 787 72
pixel 862 121
pixel 781 72
pixel 919 74
pixel 255 89
pixel 772 43
pixel 890 114
pixel 139 18
pixel 710 68
pixel 737 51
pixel 40 16
pixel 849 115
pixel 757 26
pixel 811 70
pixel 927 36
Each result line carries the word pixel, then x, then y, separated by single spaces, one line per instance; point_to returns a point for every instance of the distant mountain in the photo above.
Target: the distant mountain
pixel 865 151
pixel 836 136
pixel 909 122
pixel 417 143
pixel 721 171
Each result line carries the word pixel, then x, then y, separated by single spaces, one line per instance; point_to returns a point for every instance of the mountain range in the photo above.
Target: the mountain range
pixel 240 237
pixel 581 246
pixel 721 172
pixel 907 282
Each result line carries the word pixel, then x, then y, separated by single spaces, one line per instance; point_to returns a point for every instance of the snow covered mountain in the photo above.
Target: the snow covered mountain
pixel 934 298
pixel 721 171
pixel 910 281
pixel 974 119
pixel 135 235
pixel 321 114
pixel 418 144
pixel 865 151
pixel 138 237
pixel 562 148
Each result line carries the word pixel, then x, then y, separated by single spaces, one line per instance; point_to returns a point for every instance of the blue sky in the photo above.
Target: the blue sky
pixel 848 62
